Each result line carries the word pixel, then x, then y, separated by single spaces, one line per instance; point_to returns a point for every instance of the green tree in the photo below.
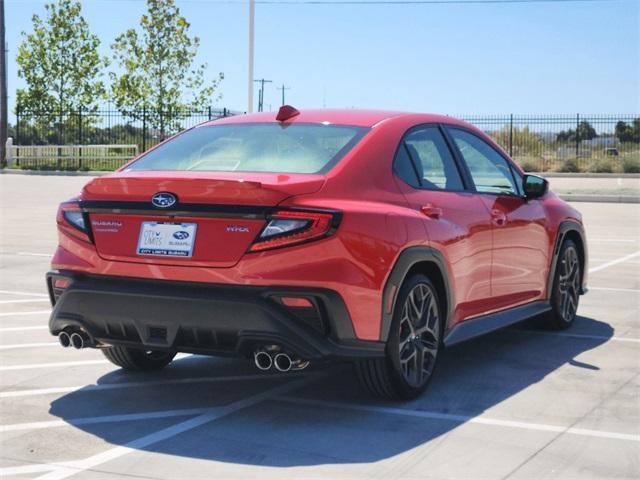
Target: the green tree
pixel 159 75
pixel 61 66
pixel 525 142
pixel 586 131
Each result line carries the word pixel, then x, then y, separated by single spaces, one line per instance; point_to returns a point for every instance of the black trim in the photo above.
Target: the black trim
pixel 475 327
pixel 178 209
pixel 212 319
pixel 407 259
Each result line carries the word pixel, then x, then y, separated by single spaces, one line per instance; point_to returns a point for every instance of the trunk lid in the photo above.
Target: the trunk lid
pixel 215 218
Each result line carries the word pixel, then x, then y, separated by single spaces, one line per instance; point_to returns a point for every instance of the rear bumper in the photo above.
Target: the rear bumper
pixel 205 318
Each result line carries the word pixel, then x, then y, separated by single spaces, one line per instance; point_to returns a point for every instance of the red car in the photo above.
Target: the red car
pixel 301 237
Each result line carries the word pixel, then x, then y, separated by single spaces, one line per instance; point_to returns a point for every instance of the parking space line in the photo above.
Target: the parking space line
pixel 614 262
pixel 28 294
pixel 37 366
pixel 59 471
pixel 24 300
pixel 609 289
pixel 34 254
pixel 580 335
pixel 153 383
pixel 17 314
pixel 29 345
pixel 464 419
pixel 23 329
pixel 127 417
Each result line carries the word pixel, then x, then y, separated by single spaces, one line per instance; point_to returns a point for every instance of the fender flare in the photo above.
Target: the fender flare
pixel 405 261
pixel 565 227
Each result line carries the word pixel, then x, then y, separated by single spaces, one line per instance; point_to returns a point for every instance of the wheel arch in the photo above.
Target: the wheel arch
pixel 574 231
pixel 422 259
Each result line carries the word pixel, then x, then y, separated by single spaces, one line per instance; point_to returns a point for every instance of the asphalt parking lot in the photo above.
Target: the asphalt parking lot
pixel 520 403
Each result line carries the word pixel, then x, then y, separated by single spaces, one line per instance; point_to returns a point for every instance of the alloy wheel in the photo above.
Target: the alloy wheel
pixel 569 284
pixel 419 335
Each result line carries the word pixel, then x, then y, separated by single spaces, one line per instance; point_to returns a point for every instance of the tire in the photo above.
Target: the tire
pixel 415 338
pixel 138 360
pixel 565 293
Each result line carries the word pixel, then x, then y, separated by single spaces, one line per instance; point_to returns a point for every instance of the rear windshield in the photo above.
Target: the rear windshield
pixel 254 147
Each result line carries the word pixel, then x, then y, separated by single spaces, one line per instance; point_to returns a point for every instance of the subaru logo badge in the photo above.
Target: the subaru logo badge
pixel 163 200
pixel 181 235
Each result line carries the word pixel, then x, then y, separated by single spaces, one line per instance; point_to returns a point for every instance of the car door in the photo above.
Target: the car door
pixel 520 257
pixel 456 221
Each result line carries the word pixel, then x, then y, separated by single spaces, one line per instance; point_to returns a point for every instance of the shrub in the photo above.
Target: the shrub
pixel 529 166
pixel 570 166
pixel 602 166
pixel 631 165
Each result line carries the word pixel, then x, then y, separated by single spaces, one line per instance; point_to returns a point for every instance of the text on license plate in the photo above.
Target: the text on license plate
pixel 167 239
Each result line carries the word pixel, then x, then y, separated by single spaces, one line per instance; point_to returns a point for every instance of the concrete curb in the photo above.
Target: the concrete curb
pixel 575 197
pixel 585 175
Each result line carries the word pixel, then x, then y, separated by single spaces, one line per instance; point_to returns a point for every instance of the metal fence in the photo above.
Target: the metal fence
pixel 99 128
pixel 541 143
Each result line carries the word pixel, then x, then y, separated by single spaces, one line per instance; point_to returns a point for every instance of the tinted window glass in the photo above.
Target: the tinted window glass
pixel 254 147
pixel 404 169
pixel 491 173
pixel 432 159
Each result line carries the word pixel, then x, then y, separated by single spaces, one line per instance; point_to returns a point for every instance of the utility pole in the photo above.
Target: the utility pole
pixel 3 89
pixel 283 88
pixel 252 12
pixel 261 81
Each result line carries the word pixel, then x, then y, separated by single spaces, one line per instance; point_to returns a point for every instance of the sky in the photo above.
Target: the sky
pixel 522 58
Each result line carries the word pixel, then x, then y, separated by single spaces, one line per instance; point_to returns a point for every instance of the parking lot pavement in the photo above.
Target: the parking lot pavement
pixel 521 403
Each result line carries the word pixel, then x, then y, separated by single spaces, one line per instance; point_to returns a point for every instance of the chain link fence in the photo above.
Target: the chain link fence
pixel 105 139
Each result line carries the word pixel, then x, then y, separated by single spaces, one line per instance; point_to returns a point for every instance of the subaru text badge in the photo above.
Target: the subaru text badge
pixel 163 200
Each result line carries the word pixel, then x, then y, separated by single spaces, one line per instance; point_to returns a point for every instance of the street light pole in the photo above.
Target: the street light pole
pixel 252 11
pixel 3 89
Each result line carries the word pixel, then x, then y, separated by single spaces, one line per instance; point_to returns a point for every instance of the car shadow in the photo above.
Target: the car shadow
pixel 331 427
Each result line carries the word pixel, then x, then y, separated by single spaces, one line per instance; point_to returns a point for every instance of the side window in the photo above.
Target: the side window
pixel 424 154
pixel 490 172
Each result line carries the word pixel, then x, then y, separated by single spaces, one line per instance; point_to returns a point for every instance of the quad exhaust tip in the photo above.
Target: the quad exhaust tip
pixel 263 360
pixel 64 339
pixel 77 341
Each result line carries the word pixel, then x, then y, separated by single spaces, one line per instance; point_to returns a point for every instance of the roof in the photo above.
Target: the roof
pixel 361 118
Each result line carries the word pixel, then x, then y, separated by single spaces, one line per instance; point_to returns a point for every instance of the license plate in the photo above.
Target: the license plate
pixel 167 239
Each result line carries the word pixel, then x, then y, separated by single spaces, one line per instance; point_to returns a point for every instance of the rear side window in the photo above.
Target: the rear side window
pixel 424 160
pixel 490 172
pixel 254 147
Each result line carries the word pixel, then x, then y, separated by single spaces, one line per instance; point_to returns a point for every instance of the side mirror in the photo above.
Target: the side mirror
pixel 534 186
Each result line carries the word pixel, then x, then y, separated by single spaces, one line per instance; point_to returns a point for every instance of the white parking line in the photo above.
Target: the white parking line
pixel 464 419
pixel 24 300
pixel 29 345
pixel 34 254
pixel 607 289
pixel 611 240
pixel 28 294
pixel 23 329
pixel 18 314
pixel 128 417
pixel 59 471
pixel 581 335
pixel 154 383
pixel 37 366
pixel 614 262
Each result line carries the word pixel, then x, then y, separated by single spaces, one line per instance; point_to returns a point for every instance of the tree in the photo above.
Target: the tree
pixel 60 63
pixel 158 75
pixel 628 133
pixel 585 132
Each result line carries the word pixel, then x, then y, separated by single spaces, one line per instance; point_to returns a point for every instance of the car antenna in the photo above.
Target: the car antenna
pixel 286 112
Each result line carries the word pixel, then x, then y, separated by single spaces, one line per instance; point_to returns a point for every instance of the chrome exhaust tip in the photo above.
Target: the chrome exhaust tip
pixel 282 362
pixel 262 360
pixel 77 341
pixel 64 339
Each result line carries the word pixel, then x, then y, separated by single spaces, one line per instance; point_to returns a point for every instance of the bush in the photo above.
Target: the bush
pixel 631 165
pixel 570 166
pixel 602 166
pixel 529 166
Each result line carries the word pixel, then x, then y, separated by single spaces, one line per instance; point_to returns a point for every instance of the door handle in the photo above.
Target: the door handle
pixel 431 211
pixel 498 217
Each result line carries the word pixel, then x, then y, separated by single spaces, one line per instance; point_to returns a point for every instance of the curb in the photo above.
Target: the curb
pixel 571 197
pixel 585 175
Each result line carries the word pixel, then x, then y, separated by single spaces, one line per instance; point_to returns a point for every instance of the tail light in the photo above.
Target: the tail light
pixel 73 221
pixel 292 227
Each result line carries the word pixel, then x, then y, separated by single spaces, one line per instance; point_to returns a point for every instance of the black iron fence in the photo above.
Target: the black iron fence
pixel 106 138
